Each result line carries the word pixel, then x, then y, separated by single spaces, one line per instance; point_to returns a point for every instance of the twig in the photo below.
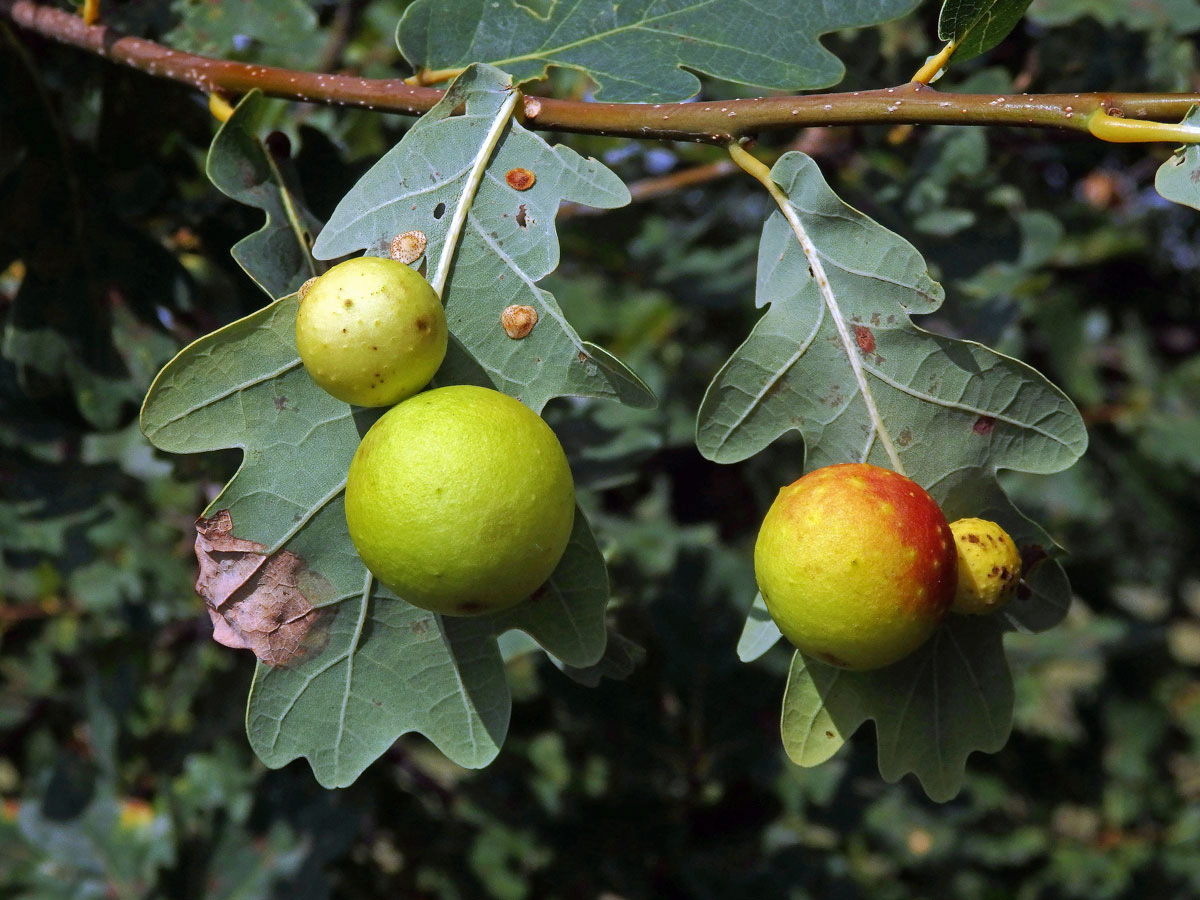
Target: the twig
pixel 716 122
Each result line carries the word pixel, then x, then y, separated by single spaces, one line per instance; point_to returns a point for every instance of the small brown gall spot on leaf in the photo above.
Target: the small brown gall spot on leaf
pixel 1031 556
pixel 864 338
pixel 408 247
pixel 258 602
pixel 278 145
pixel 984 425
pixel 518 321
pixel 305 288
pixel 520 179
pixel 829 734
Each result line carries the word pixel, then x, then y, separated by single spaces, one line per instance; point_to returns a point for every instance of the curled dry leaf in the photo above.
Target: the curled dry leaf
pixel 518 321
pixel 408 247
pixel 256 601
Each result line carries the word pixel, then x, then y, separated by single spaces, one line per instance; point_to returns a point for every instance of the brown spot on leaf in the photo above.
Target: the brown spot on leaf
pixel 864 338
pixel 1031 555
pixel 280 403
pixel 520 179
pixel 278 145
pixel 258 602
pixel 829 734
pixel 984 425
pixel 518 321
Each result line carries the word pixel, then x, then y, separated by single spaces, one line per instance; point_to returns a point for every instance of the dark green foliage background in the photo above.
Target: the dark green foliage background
pixel 124 765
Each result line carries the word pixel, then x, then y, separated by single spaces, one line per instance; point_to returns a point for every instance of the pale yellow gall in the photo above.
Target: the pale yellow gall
pixel 408 247
pixel 518 321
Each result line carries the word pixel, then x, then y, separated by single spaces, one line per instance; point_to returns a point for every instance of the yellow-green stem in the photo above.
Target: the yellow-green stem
pixel 934 64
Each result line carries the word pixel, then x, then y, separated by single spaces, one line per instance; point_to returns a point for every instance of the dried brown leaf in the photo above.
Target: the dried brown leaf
pixel 255 601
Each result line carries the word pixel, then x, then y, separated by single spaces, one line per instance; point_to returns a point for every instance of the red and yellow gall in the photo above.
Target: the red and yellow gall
pixel 856 564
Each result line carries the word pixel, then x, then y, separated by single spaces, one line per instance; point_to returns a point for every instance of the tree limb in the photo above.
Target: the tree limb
pixel 715 122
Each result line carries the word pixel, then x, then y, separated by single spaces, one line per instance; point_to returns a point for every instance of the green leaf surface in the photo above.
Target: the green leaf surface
pixel 373 667
pixel 976 26
pixel 931 710
pixel 508 245
pixel 276 256
pixel 637 51
pixel 1178 179
pixel 952 412
pixel 760 632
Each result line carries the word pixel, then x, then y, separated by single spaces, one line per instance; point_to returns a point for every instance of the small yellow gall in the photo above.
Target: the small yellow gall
pixel 300 294
pixel 408 247
pixel 518 321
